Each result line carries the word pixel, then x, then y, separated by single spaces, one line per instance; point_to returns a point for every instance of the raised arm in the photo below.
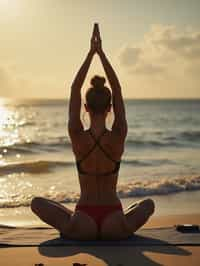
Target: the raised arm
pixel 120 123
pixel 74 123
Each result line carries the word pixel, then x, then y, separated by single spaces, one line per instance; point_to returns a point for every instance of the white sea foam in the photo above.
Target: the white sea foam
pixel 135 188
pixel 161 186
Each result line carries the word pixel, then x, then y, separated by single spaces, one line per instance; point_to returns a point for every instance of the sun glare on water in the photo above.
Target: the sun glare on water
pixel 8 132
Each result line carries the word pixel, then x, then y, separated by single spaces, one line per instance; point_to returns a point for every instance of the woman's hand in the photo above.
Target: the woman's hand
pixel 96 44
pixel 92 45
pixel 99 49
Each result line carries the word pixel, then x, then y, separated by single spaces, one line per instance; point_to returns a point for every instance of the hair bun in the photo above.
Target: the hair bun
pixel 98 81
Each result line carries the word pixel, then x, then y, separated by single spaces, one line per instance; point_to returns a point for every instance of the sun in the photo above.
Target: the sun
pixel 9 7
pixel 6 3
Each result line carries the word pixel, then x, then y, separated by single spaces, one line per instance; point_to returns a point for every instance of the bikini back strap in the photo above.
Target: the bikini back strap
pixel 94 146
pixel 101 148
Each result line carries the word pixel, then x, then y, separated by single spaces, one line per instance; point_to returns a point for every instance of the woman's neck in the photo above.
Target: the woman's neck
pixel 97 123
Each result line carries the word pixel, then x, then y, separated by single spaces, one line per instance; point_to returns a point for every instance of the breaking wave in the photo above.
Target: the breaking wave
pixel 162 186
pixel 190 135
pixel 44 166
pixel 135 188
pixel 32 166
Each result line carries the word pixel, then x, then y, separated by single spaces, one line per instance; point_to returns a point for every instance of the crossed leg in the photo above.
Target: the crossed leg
pixel 58 216
pixel 51 212
pixel 138 214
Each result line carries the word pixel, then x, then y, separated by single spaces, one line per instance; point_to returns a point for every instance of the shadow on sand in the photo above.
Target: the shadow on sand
pixel 128 254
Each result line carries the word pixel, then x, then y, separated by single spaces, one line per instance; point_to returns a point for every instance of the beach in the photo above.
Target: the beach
pixel 177 205
pixel 108 255
pixel 161 161
pixel 72 66
pixel 102 256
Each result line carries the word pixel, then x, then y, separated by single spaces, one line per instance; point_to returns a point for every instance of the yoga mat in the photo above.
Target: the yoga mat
pixel 38 236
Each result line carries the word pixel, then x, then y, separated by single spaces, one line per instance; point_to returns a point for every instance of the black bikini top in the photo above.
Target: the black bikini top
pixel 78 162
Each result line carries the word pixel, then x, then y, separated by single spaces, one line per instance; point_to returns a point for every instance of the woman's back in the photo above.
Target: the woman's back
pixel 98 160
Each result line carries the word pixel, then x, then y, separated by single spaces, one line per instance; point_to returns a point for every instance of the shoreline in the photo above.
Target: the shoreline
pixel 178 204
pixel 179 208
pixel 153 222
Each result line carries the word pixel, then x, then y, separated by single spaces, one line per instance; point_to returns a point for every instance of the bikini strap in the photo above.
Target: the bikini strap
pixel 94 146
pixel 101 148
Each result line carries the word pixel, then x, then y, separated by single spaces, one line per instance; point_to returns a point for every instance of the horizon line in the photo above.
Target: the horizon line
pixel 2 98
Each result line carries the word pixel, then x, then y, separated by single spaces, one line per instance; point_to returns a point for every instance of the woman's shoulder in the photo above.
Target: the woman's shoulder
pixel 109 138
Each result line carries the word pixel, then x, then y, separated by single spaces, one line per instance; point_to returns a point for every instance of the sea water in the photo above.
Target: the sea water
pixel 162 150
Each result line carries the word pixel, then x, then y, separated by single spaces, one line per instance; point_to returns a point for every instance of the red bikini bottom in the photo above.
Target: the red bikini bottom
pixel 98 212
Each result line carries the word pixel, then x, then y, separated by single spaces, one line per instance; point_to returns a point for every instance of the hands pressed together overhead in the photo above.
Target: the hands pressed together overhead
pixel 75 98
pixel 96 44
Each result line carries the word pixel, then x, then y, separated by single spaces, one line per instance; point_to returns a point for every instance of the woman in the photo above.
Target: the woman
pixel 98 213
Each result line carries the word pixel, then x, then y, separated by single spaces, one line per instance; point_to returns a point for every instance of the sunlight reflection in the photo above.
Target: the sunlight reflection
pixel 8 126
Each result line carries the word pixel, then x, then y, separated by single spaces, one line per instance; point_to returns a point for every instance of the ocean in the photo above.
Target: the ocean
pixel 161 158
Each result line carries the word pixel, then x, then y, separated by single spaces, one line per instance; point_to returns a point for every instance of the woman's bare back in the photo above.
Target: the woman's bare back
pixel 98 185
pixel 98 190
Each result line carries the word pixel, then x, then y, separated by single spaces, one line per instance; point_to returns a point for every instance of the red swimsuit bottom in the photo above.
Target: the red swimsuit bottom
pixel 98 212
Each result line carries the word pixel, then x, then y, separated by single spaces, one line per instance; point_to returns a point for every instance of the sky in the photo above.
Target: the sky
pixel 153 45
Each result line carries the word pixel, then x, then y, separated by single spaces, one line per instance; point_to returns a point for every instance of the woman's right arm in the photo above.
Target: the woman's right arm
pixel 120 123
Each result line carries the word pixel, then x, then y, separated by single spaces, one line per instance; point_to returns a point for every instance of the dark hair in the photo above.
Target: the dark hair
pixel 98 97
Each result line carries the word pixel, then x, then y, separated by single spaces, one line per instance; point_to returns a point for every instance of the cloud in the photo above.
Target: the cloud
pixel 130 55
pixel 162 49
pixel 148 69
pixel 165 63
pixel 185 44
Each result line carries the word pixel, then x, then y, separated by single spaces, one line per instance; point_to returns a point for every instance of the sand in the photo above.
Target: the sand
pixel 170 220
pixel 100 256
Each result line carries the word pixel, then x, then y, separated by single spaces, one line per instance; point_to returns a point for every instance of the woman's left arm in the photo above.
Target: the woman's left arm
pixel 74 123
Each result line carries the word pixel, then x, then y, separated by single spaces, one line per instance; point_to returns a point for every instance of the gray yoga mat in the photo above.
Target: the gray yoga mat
pixel 20 236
